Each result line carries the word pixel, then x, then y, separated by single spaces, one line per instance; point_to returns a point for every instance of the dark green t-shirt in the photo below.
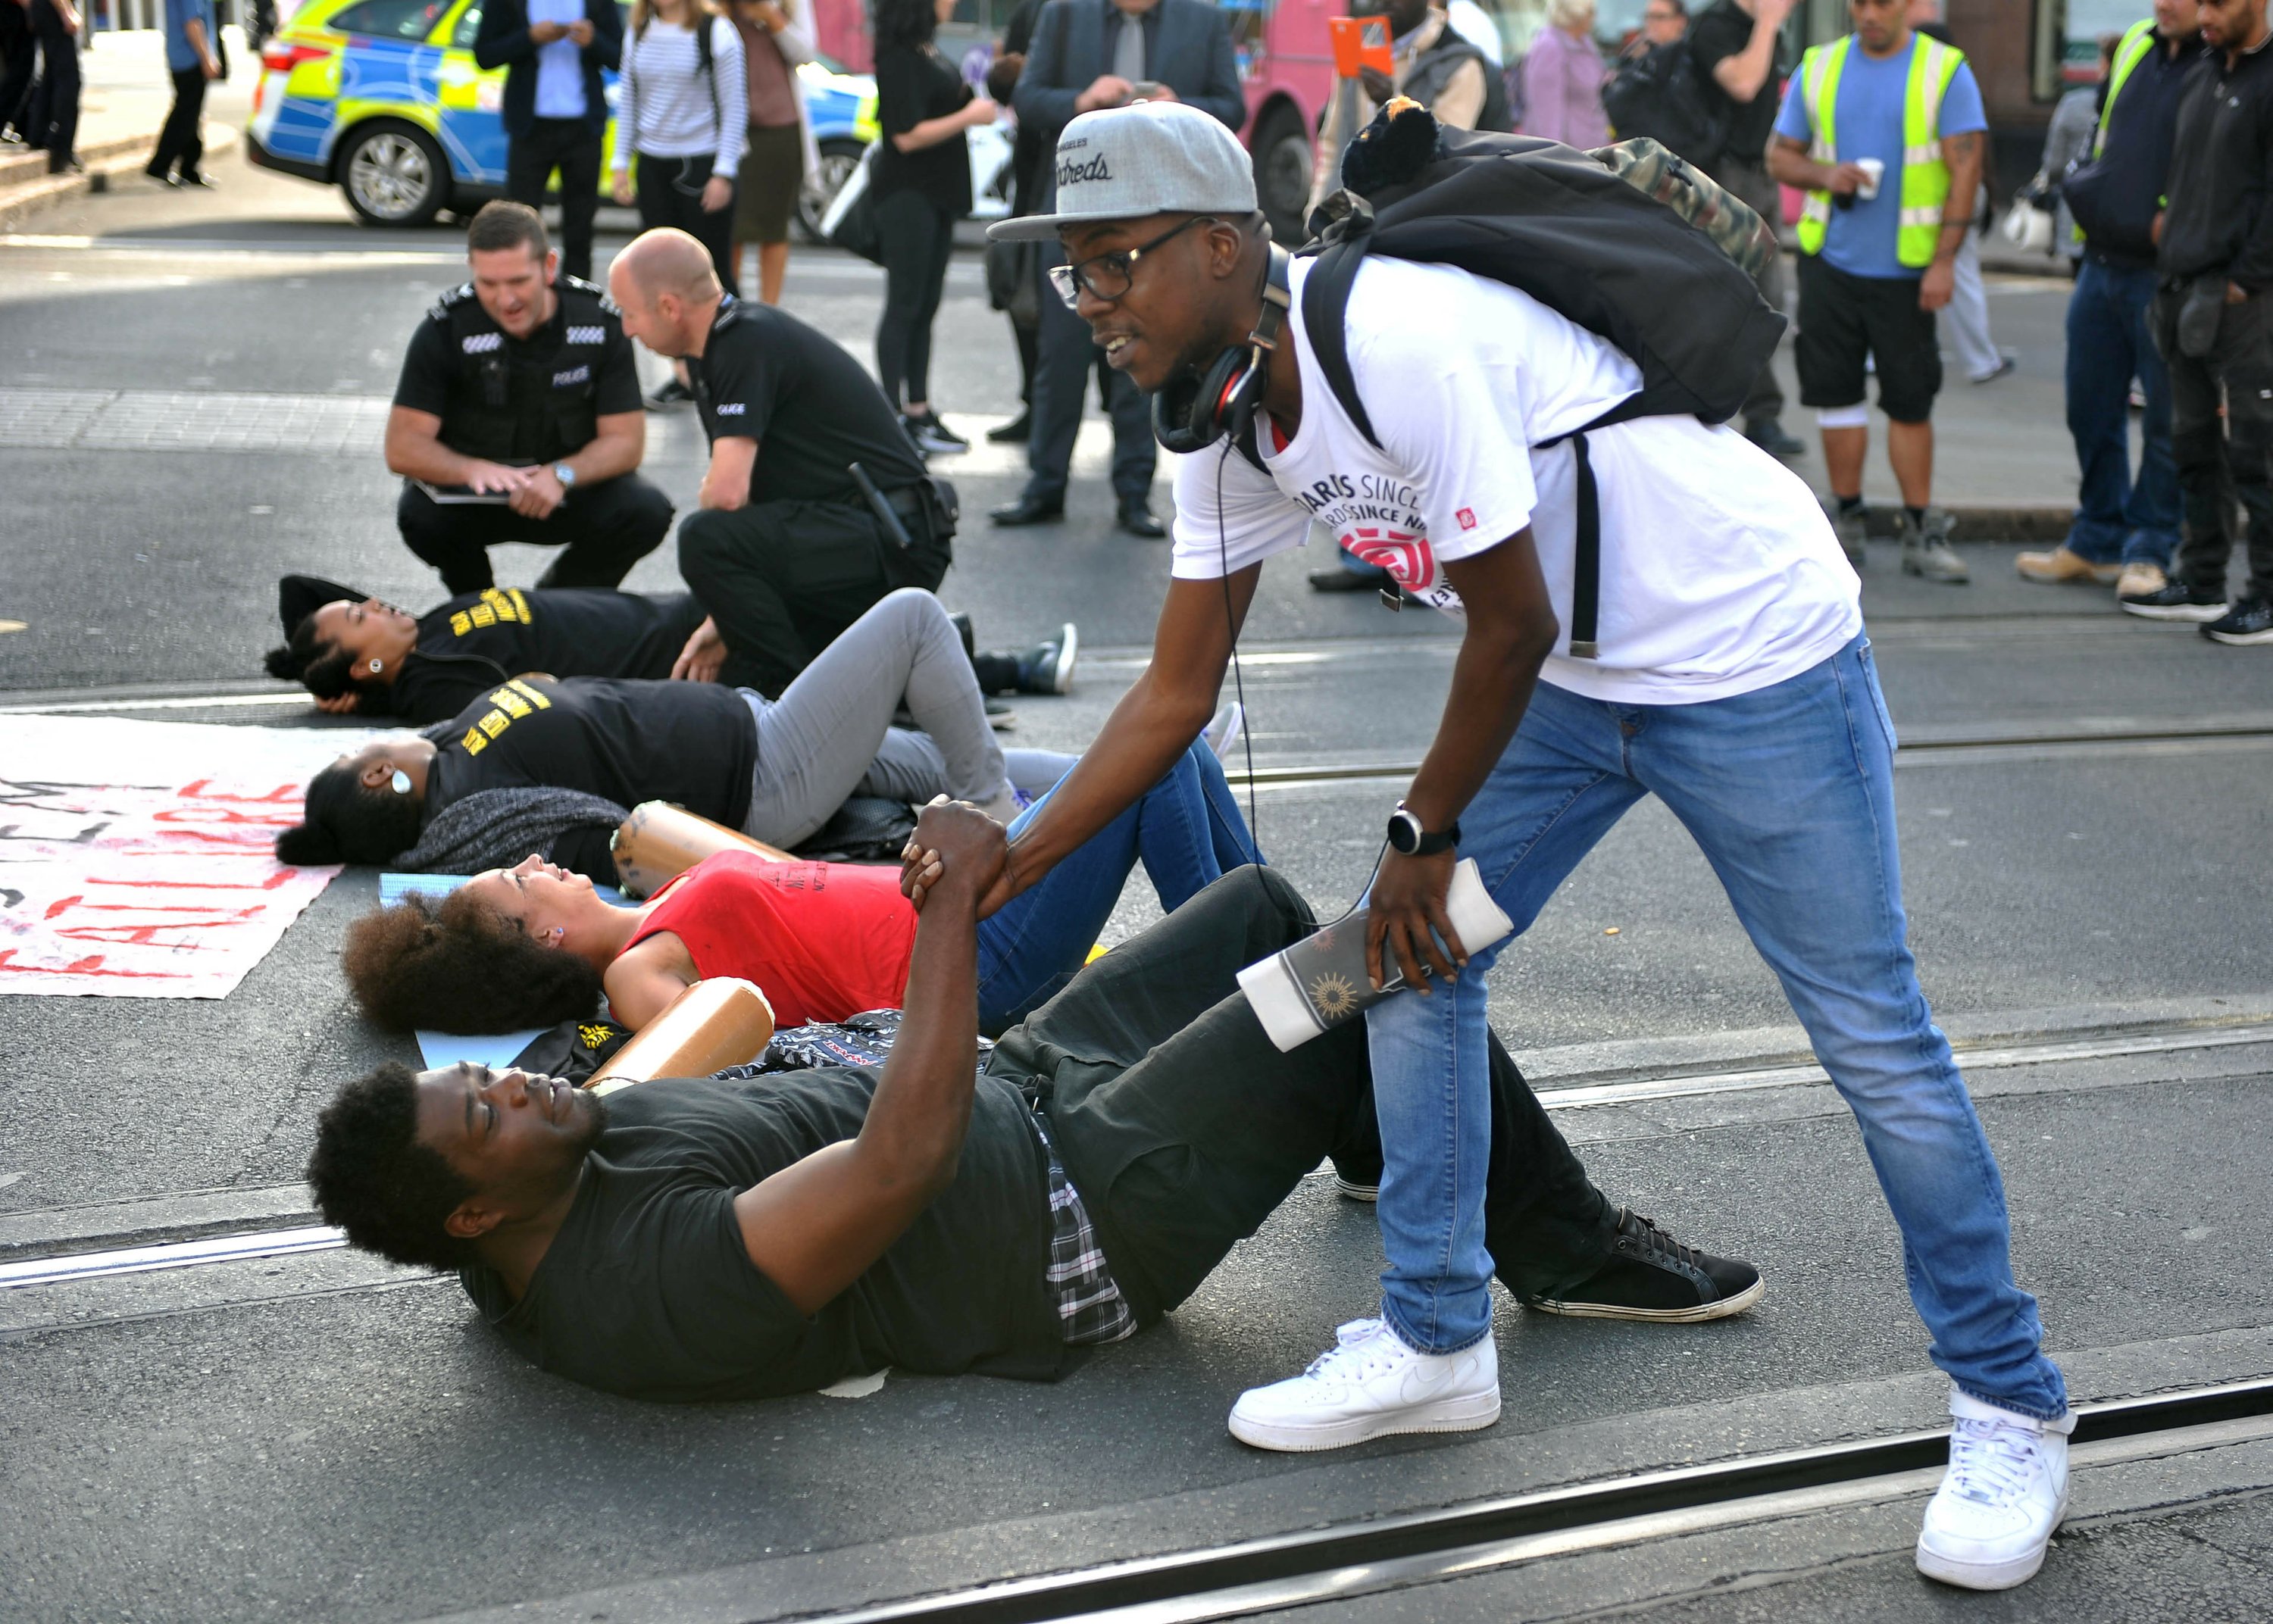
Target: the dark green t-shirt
pixel 648 1291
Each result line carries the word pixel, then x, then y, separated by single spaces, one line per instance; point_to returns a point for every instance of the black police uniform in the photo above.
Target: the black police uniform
pixel 526 402
pixel 808 555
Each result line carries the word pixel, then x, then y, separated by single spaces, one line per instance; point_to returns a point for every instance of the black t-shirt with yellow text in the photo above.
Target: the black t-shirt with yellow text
pixel 471 643
pixel 692 744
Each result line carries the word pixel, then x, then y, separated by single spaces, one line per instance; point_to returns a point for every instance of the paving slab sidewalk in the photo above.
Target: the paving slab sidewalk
pixel 123 103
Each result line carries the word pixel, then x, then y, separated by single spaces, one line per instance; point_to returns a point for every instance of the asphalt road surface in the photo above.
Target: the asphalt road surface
pixel 190 391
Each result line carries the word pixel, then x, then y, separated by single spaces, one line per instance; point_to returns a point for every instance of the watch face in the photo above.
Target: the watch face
pixel 1404 831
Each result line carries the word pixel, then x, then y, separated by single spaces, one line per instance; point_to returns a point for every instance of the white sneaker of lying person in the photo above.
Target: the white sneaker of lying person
pixel 2004 1492
pixel 1222 733
pixel 1368 1385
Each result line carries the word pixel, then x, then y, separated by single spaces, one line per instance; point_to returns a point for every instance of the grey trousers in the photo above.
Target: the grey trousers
pixel 830 734
pixel 1968 312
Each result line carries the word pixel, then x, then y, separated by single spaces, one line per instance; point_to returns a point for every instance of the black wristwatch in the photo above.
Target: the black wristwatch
pixel 1408 838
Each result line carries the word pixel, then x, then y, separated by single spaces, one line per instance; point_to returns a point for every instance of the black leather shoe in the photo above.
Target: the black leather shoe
pixel 1029 509
pixel 1018 431
pixel 1136 517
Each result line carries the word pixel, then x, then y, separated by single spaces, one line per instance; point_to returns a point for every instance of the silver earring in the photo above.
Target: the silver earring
pixel 375 667
pixel 401 782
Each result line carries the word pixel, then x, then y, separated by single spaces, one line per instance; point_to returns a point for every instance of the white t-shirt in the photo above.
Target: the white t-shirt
pixel 1719 572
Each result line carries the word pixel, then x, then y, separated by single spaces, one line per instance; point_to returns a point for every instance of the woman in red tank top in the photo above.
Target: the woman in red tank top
pixel 534 945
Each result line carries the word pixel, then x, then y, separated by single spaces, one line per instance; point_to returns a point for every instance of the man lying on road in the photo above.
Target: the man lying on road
pixel 692 1238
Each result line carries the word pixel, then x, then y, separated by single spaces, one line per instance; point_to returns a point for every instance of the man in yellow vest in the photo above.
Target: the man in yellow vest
pixel 1884 131
pixel 2125 529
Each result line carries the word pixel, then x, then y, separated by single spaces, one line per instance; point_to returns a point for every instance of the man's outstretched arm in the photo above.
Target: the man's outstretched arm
pixel 815 1227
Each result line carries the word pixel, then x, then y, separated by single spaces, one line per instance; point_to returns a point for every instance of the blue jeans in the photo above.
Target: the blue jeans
pixel 2108 345
pixel 1187 833
pixel 1788 790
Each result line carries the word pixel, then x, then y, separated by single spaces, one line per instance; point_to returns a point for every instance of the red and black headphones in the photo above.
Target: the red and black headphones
pixel 1191 414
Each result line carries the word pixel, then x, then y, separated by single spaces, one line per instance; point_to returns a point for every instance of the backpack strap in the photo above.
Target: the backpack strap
pixel 1326 311
pixel 1587 561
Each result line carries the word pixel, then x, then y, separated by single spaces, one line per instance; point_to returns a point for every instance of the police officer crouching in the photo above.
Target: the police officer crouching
pixel 519 419
pixel 815 504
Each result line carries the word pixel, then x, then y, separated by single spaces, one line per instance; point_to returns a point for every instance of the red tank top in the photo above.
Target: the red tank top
pixel 822 940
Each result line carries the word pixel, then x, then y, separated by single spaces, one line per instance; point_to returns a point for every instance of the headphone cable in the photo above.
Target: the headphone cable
pixel 1238 677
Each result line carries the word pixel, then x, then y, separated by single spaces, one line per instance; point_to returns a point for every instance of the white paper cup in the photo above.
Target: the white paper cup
pixel 1874 171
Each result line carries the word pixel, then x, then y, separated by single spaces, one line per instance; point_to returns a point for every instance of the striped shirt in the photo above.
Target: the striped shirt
pixel 672 108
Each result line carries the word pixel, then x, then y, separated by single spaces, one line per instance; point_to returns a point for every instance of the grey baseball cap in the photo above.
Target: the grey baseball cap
pixel 1148 157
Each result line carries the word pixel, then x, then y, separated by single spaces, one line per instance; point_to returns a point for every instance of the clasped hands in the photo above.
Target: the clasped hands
pixel 580 31
pixel 955 845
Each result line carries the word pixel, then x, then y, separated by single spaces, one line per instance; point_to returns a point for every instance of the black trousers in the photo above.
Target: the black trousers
pixel 179 141
pixel 916 236
pixel 1063 355
pixel 18 54
pixel 783 578
pixel 670 194
pixel 571 146
pixel 1183 1127
pixel 2236 375
pixel 606 526
pixel 56 101
pixel 1750 180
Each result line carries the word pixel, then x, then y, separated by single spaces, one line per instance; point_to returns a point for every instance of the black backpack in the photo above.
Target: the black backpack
pixel 1665 95
pixel 1562 226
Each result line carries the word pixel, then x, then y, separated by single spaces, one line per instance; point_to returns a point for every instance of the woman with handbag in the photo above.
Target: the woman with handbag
pixel 779 154
pixel 921 186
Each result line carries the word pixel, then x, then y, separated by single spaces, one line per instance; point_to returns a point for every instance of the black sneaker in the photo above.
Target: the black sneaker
pixel 1770 435
pixel 2248 621
pixel 2176 601
pixel 1018 431
pixel 932 437
pixel 1000 717
pixel 1047 667
pixel 1653 1277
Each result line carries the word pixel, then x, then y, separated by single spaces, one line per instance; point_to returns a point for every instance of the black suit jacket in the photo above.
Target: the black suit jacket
pixel 1190 54
pixel 503 42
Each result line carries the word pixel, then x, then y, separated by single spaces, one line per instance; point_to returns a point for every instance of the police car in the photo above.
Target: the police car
pixel 382 99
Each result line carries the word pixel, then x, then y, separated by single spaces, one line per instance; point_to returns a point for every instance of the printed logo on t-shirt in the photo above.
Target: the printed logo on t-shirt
pixel 732 408
pixel 1467 517
pixel 508 608
pixel 507 705
pixel 1378 519
pixel 573 375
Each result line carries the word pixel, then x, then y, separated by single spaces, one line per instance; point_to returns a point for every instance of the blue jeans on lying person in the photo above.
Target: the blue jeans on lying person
pixel 1788 792
pixel 1186 830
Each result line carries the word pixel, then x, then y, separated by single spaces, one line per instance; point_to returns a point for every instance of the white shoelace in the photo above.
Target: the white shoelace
pixel 1356 1351
pixel 1992 1462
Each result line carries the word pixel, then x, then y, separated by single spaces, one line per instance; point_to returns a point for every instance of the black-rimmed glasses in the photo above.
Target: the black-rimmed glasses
pixel 1108 276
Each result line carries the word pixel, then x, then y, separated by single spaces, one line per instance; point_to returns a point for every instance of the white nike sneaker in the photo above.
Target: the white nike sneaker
pixel 2004 1493
pixel 1368 1385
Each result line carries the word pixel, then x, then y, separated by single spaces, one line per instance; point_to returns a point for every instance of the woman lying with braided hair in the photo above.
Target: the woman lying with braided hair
pixel 534 945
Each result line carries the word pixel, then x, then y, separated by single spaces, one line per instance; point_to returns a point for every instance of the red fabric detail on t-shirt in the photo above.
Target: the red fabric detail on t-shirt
pixel 821 941
pixel 1279 440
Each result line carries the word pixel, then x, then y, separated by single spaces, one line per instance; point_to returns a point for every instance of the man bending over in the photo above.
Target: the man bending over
pixel 690 1239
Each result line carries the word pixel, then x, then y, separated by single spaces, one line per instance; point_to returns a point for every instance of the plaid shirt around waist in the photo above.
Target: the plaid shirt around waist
pixel 1091 1308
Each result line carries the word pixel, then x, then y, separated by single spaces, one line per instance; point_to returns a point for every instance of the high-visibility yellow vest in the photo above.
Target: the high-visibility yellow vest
pixel 1925 186
pixel 2138 40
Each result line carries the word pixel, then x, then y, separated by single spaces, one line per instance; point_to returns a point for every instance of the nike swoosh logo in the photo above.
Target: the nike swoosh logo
pixel 1418 1387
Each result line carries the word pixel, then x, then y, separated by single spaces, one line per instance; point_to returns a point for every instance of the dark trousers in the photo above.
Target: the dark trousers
pixel 670 194
pixel 1063 355
pixel 1751 180
pixel 179 141
pixel 20 52
pixel 2237 374
pixel 58 93
pixel 606 526
pixel 1183 1127
pixel 2108 346
pixel 572 146
pixel 916 236
pixel 1028 341
pixel 783 578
